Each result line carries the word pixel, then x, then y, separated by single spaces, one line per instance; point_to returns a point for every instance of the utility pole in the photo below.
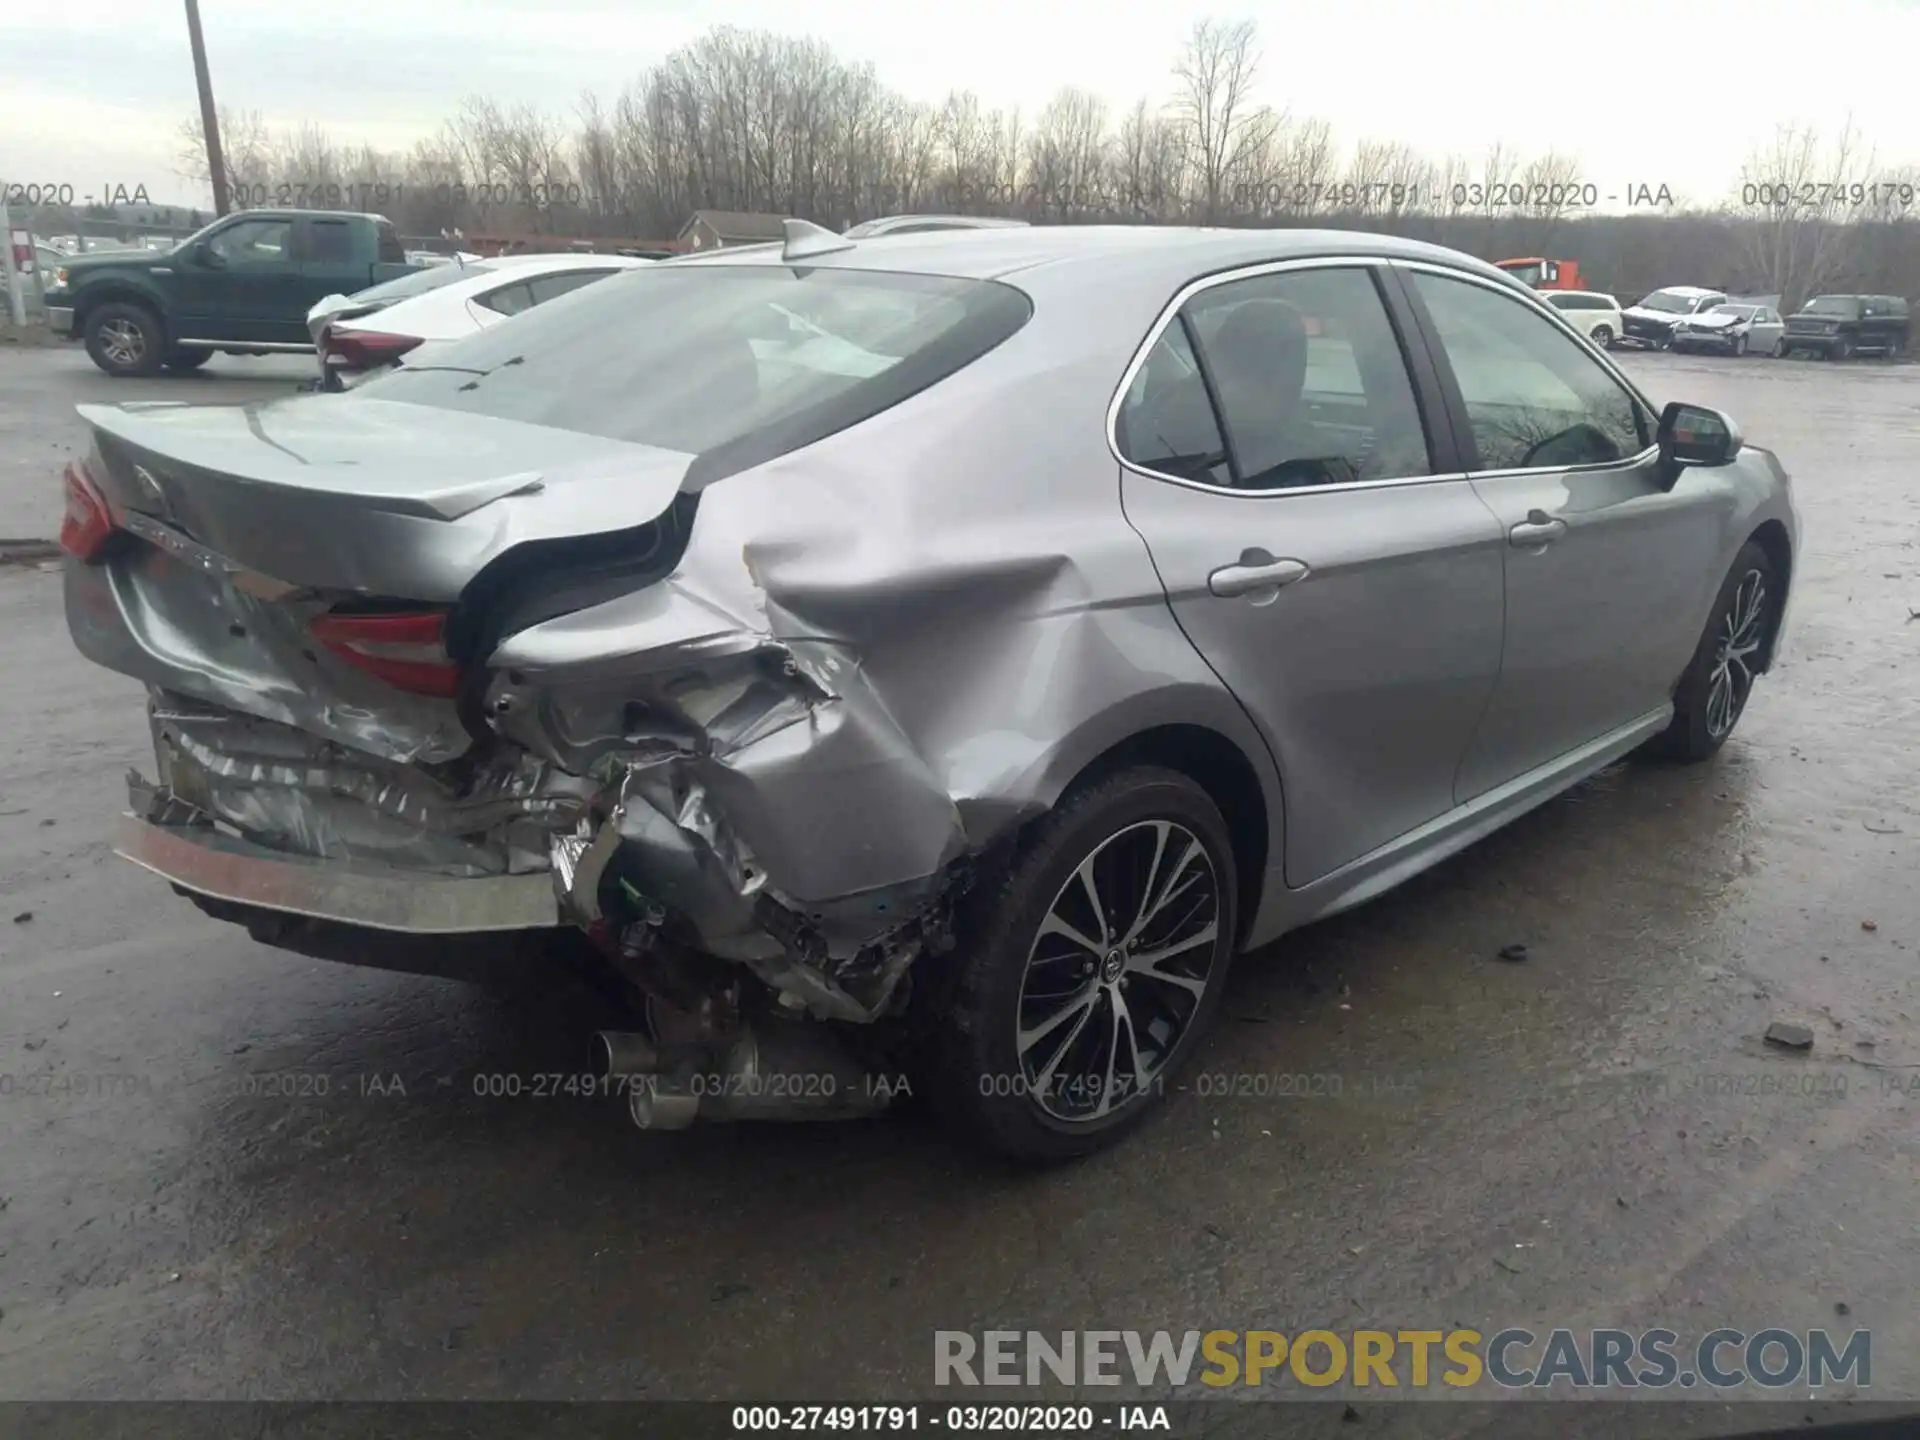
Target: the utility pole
pixel 209 117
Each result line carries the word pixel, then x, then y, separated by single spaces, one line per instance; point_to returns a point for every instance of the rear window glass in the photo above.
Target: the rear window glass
pixel 756 359
pixel 405 287
pixel 388 249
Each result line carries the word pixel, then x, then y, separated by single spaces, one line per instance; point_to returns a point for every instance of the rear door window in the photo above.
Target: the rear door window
pixel 1311 385
pixel 326 242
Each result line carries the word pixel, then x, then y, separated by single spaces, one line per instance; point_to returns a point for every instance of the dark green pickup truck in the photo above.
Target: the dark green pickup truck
pixel 242 286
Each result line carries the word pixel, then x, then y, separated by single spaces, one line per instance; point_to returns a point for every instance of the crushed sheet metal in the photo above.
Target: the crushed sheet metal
pixel 291 791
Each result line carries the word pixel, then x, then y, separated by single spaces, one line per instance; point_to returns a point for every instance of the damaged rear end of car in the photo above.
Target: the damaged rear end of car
pixel 449 662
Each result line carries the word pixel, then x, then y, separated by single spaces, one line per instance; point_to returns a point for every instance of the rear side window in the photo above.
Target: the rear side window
pixel 552 287
pixel 329 242
pixel 1166 421
pixel 733 363
pixel 508 299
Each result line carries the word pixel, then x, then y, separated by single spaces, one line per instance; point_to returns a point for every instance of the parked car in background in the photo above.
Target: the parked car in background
pixel 1732 328
pixel 243 286
pixel 1841 326
pixel 417 281
pixel 1589 311
pixel 920 224
pixel 361 340
pixel 1650 323
pixel 853 710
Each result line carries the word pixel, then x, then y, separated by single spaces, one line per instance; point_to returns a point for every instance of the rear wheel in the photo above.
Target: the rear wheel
pixel 188 357
pixel 1084 983
pixel 1713 693
pixel 125 339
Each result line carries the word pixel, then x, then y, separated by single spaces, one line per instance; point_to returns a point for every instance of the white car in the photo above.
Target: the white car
pixel 1595 315
pixel 417 314
pixel 1650 323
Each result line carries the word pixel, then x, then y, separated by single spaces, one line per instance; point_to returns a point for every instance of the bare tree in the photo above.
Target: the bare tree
pixel 1796 193
pixel 1224 126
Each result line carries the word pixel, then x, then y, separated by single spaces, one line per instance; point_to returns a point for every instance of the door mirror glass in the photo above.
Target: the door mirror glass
pixel 1695 435
pixel 205 256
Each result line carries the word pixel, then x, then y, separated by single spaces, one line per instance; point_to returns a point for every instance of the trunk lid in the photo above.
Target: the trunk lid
pixel 355 494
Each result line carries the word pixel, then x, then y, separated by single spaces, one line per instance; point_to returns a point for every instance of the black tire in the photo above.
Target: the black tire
pixel 1739 346
pixel 976 1069
pixel 1700 726
pixel 188 357
pixel 1842 349
pixel 1602 335
pixel 125 339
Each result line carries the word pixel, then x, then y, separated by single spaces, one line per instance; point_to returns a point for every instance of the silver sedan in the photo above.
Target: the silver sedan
pixel 922 660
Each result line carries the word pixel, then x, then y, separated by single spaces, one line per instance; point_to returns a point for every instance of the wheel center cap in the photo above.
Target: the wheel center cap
pixel 1112 967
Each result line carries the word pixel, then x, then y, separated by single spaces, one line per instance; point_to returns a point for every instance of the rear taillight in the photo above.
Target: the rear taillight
pixel 408 651
pixel 88 524
pixel 365 349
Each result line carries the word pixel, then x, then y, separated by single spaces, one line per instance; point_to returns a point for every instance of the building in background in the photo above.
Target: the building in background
pixel 717 229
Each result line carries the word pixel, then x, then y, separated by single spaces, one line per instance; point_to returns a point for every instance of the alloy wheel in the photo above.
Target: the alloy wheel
pixel 123 343
pixel 1118 971
pixel 1742 629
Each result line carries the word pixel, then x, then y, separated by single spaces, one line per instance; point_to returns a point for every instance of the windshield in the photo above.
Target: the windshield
pixel 1668 302
pixel 405 287
pixel 1846 305
pixel 1530 273
pixel 758 358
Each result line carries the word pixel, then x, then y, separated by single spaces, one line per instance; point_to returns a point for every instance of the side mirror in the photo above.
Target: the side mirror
pixel 1695 435
pixel 205 256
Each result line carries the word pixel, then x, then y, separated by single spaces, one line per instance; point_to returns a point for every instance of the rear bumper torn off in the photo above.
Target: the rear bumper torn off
pixel 218 866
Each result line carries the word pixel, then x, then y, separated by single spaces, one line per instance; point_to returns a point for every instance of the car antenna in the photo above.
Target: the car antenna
pixel 804 240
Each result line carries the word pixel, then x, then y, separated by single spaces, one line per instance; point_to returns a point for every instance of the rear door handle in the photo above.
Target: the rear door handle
pixel 1539 528
pixel 1241 579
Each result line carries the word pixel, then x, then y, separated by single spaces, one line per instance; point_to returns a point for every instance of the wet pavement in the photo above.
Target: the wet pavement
pixel 39 386
pixel 230 1171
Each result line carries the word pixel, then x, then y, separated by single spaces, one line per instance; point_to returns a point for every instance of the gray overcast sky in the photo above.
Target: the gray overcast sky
pixel 93 93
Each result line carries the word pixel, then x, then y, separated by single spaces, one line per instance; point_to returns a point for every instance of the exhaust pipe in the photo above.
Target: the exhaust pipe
pixel 781 1070
pixel 655 1099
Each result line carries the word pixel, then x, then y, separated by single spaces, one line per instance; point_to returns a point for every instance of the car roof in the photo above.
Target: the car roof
pixel 990 254
pixel 1693 290
pixel 1584 294
pixel 560 259
pixel 480 278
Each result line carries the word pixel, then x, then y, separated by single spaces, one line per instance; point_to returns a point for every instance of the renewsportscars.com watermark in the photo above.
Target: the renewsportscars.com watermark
pixel 1511 1359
